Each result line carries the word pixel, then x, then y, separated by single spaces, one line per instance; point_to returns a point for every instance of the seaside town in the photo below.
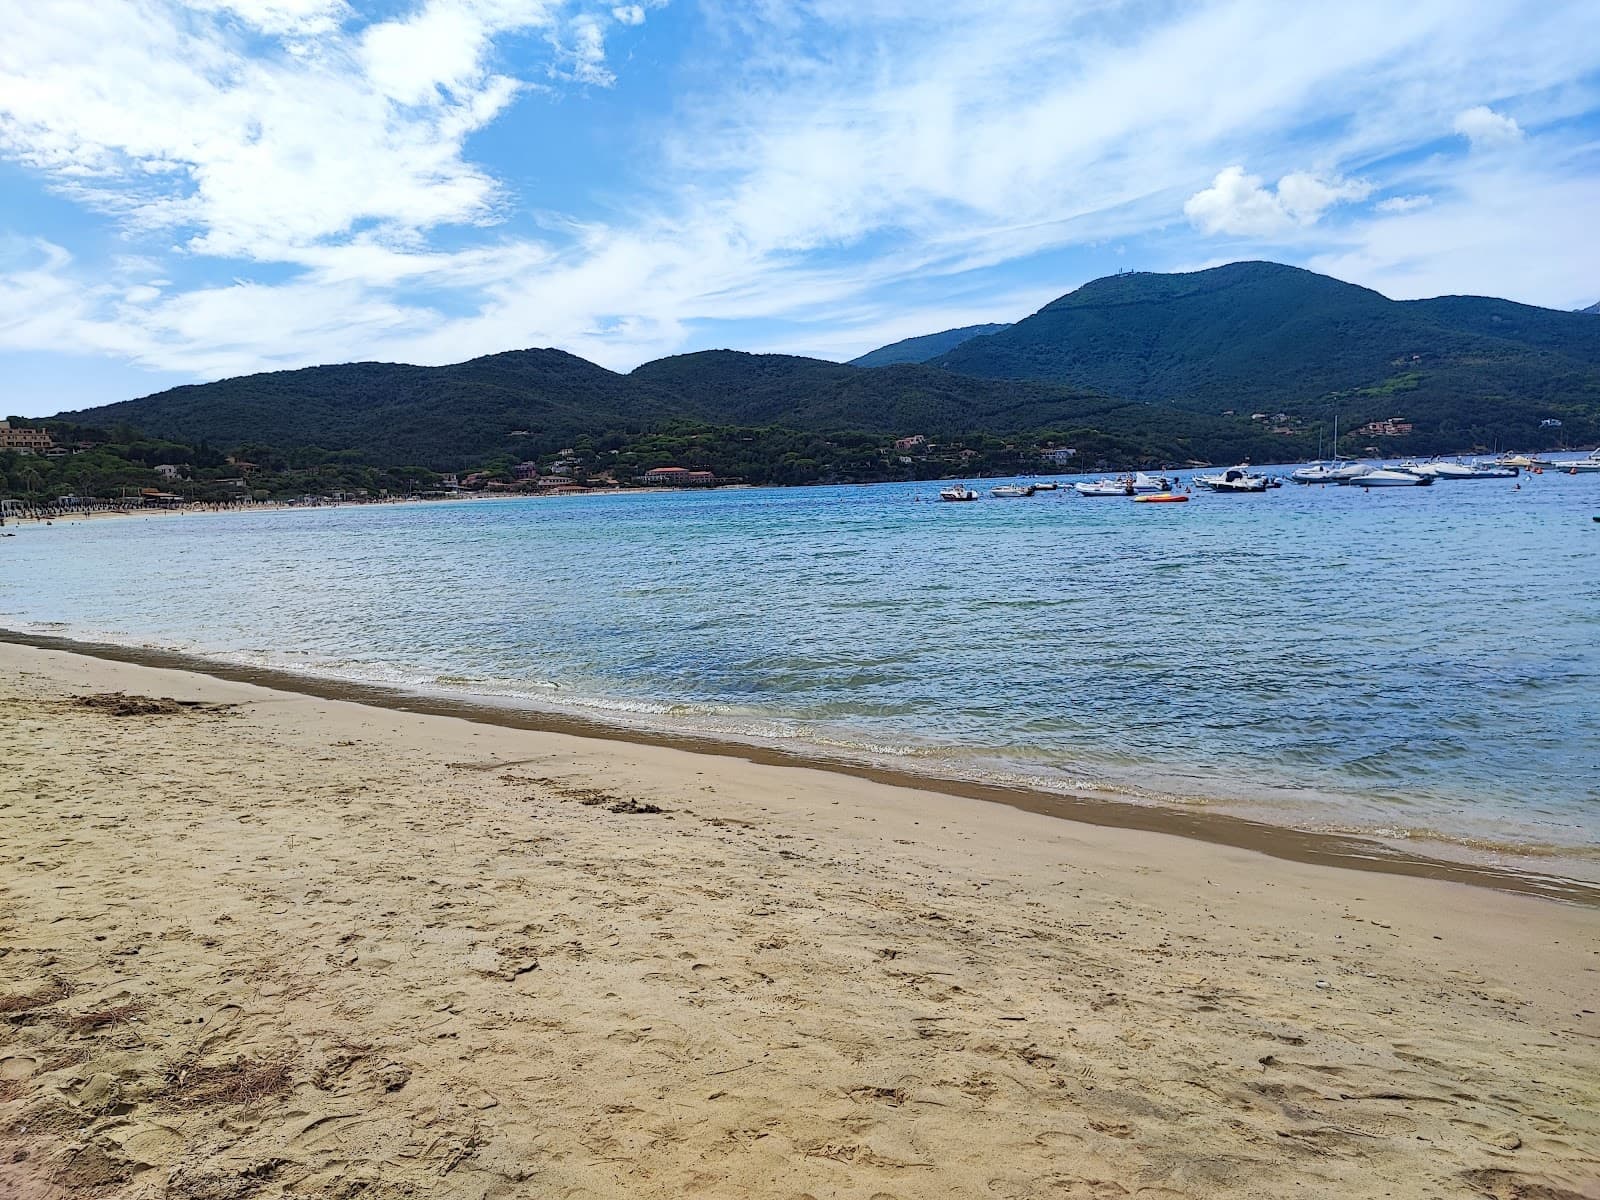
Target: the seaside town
pixel 51 468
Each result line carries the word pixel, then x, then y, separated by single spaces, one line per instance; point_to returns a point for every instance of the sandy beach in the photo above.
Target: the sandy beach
pixel 258 943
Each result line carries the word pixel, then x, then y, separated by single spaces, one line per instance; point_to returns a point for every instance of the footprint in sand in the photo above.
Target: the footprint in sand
pixel 1057 1139
pixel 152 1145
pixel 17 1066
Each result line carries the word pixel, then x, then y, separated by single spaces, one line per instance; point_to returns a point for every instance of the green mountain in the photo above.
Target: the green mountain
pixel 1262 336
pixel 530 402
pixel 921 349
pixel 393 412
pixel 1146 366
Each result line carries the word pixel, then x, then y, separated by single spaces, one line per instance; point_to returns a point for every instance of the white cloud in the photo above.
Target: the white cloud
pixel 1504 228
pixel 1487 129
pixel 583 53
pixel 1401 204
pixel 299 18
pixel 827 154
pixel 168 121
pixel 1238 203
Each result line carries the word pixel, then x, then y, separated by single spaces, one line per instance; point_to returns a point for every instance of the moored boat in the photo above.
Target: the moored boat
pixel 1126 485
pixel 1317 472
pixel 1391 477
pixel 1162 498
pixel 1525 461
pixel 1151 483
pixel 1011 491
pixel 1238 479
pixel 1579 466
pixel 1451 470
pixel 957 492
pixel 1105 487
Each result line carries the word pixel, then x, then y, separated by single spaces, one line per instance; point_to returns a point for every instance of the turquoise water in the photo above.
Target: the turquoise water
pixel 1420 662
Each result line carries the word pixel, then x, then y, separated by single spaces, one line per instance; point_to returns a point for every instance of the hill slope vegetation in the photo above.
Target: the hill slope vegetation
pixel 921 349
pixel 1263 336
pixel 1165 366
pixel 528 403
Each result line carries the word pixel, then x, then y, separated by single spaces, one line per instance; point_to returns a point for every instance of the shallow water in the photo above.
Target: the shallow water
pixel 1418 663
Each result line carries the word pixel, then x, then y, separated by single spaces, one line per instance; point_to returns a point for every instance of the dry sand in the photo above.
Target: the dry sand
pixel 299 947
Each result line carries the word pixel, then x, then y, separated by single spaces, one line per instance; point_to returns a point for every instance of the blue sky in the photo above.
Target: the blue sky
pixel 196 190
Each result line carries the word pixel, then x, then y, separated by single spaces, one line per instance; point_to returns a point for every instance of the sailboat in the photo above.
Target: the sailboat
pixel 1333 470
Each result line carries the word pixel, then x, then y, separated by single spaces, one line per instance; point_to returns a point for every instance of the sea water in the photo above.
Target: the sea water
pixel 1416 663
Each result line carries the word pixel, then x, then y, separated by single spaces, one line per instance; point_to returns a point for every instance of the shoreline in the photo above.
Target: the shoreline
pixel 265 945
pixel 1286 843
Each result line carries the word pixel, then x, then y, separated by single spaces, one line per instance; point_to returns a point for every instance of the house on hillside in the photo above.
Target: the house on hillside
pixel 916 441
pixel 23 440
pixel 169 471
pixel 1059 457
pixel 1393 427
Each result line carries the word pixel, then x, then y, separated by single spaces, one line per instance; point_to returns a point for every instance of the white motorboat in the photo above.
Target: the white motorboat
pixel 1391 477
pixel 1137 484
pixel 1455 470
pixel 1433 470
pixel 1235 480
pixel 1046 487
pixel 1317 472
pixel 1446 469
pixel 1011 491
pixel 1105 487
pixel 1579 466
pixel 1151 483
pixel 957 492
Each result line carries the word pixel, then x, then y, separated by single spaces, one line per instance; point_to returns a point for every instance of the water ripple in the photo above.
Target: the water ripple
pixel 1421 659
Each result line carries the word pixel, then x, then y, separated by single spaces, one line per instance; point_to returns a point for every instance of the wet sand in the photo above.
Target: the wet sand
pixel 1507 872
pixel 299 946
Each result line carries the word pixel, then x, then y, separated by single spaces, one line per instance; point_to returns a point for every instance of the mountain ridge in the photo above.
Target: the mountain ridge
pixel 1263 335
pixel 1177 360
pixel 924 347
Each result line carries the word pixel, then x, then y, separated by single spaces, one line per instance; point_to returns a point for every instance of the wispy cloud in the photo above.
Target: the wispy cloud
pixel 832 171
pixel 1400 204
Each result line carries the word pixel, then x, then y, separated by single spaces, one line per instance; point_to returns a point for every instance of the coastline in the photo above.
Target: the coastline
pixel 1216 828
pixel 290 945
